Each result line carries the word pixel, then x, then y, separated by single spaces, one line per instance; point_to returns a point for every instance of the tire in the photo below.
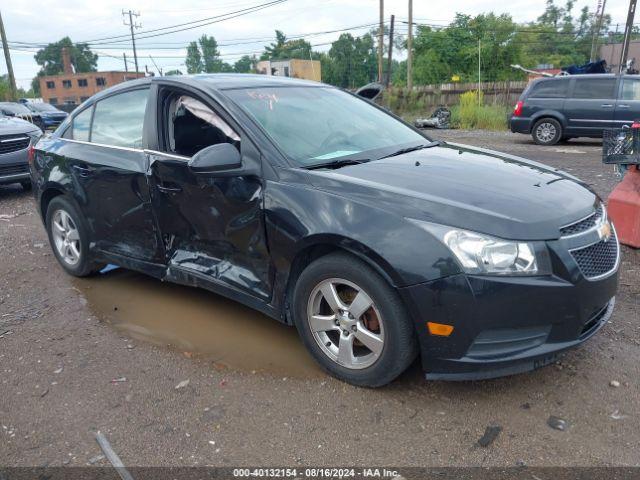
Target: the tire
pixel 63 212
pixel 547 131
pixel 385 326
pixel 26 185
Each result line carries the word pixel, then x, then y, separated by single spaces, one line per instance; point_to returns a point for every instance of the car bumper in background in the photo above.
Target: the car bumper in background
pixel 504 326
pixel 520 125
pixel 14 167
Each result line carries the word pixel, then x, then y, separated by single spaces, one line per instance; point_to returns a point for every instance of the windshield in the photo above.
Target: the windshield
pixel 317 125
pixel 14 108
pixel 42 107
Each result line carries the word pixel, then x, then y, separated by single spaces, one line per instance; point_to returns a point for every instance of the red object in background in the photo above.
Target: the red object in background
pixel 517 111
pixel 623 207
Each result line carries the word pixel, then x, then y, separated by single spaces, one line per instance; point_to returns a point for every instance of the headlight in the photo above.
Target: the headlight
pixel 482 254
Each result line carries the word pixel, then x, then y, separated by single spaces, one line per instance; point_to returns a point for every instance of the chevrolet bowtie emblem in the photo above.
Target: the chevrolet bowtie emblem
pixel 604 232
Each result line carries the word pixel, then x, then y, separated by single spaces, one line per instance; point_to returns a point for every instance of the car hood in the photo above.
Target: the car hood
pixel 468 188
pixel 12 126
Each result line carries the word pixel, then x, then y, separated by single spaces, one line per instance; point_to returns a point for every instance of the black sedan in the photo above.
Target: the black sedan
pixel 18 110
pixel 326 212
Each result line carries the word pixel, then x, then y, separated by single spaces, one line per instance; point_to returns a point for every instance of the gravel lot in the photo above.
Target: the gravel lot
pixel 108 354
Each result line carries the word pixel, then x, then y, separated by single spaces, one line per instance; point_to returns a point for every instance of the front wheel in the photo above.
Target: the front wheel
pixel 352 322
pixel 547 131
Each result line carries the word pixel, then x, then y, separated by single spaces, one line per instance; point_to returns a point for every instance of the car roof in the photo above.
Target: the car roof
pixel 224 81
pixel 215 81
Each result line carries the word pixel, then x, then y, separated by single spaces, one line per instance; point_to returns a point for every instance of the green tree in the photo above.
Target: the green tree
pixel 350 62
pixel 284 49
pixel 245 64
pixel 173 72
pixel 193 61
pixel 203 56
pixel 50 57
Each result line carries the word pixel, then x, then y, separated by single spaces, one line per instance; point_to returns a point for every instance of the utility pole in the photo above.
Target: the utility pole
pixel 596 33
pixel 389 60
pixel 124 57
pixel 156 65
pixel 479 72
pixel 132 25
pixel 410 48
pixel 381 41
pixel 627 37
pixel 7 58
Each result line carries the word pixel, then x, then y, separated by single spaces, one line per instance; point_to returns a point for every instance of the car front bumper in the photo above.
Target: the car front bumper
pixel 505 325
pixel 14 167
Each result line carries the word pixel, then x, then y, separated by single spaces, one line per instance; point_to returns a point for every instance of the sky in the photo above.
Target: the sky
pixel 48 21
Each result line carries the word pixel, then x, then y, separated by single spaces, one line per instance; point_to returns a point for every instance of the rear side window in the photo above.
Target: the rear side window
pixel 550 89
pixel 119 120
pixel 594 88
pixel 631 89
pixel 81 124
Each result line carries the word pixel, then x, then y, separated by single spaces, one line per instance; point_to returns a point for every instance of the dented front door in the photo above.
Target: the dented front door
pixel 212 226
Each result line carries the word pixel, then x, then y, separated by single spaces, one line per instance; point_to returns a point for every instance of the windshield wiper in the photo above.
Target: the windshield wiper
pixel 345 162
pixel 411 149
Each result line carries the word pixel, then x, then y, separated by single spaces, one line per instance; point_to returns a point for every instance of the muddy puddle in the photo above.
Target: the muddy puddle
pixel 193 320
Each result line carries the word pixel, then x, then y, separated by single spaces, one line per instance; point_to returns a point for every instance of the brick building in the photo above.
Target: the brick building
pixel 75 88
pixel 71 88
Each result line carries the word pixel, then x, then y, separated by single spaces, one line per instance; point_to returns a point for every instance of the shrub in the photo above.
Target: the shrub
pixel 471 112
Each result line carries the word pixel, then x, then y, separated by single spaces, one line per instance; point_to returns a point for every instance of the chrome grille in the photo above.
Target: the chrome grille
pixel 585 224
pixel 598 259
pixel 13 143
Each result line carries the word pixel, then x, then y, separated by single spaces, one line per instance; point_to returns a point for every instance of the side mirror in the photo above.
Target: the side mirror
pixel 216 158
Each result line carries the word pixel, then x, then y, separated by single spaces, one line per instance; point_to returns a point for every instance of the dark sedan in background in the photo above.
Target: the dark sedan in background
pixel 51 116
pixel 18 110
pixel 16 137
pixel 326 212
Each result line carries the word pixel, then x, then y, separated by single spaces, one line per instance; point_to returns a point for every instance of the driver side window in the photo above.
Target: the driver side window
pixel 190 126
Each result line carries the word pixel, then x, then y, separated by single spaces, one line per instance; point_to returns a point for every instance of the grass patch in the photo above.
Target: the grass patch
pixel 471 113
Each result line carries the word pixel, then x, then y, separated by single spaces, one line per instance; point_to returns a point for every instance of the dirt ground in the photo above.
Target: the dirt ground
pixel 175 376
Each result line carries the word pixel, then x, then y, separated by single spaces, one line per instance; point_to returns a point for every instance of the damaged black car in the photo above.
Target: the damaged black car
pixel 330 214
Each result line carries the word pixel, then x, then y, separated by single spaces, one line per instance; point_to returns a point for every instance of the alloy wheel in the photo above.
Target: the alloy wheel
pixel 345 323
pixel 66 237
pixel 546 132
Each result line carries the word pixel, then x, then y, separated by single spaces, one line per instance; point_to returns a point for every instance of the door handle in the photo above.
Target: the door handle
pixel 607 105
pixel 165 189
pixel 83 170
pixel 624 106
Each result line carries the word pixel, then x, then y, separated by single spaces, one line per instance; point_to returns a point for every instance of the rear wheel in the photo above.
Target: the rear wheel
pixel 547 131
pixel 352 322
pixel 68 236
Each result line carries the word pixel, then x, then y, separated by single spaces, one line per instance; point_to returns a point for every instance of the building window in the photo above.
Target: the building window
pixel 83 99
pixel 82 82
pixel 101 81
pixel 53 101
pixel 66 83
pixel 51 84
pixel 70 100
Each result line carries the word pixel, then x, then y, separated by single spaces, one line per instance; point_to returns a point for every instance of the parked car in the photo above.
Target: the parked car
pixel 16 137
pixel 324 211
pixel 51 116
pixel 560 108
pixel 18 110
